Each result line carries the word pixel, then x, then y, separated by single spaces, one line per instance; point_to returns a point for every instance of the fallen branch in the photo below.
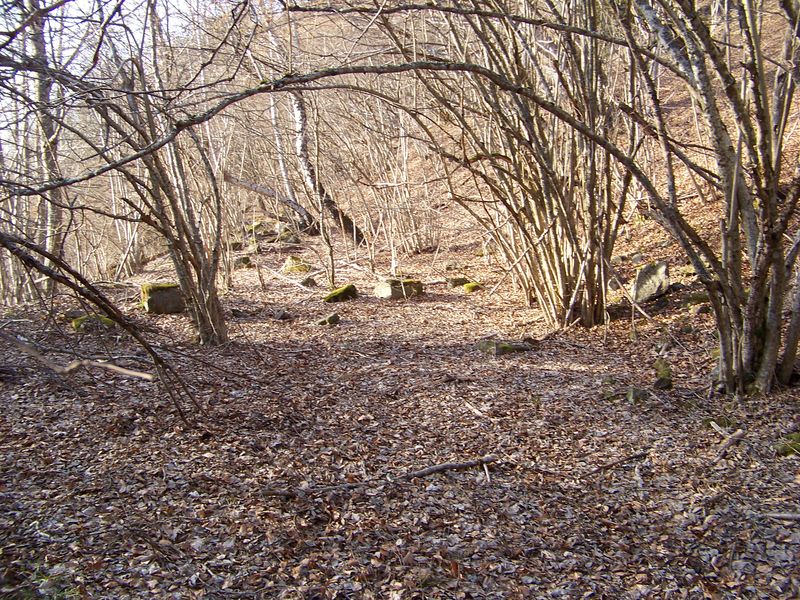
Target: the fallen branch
pixel 484 460
pixel 620 461
pixel 783 516
pixel 75 364
pixel 735 437
pixel 287 493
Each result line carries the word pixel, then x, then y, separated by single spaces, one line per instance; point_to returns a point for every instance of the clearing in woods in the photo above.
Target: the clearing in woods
pixel 305 478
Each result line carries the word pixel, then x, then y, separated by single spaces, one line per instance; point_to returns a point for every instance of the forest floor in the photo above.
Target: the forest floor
pixel 297 480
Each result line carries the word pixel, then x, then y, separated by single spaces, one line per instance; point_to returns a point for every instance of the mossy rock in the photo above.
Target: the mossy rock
pixel 295 264
pixel 260 229
pixel 347 292
pixel 790 445
pixel 696 298
pixel 472 287
pixel 309 282
pixel 331 319
pixel 501 347
pixel 454 282
pixel 73 313
pixel 162 298
pixel 663 374
pixel 92 322
pixel 394 289
pixel 286 236
pixel 636 395
pixel 242 262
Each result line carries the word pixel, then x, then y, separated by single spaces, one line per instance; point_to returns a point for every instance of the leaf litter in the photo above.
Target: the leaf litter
pixel 298 485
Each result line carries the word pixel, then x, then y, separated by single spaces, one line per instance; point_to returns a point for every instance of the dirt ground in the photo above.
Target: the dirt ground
pixel 554 478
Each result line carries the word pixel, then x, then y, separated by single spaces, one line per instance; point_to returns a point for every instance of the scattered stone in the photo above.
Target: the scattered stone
pixel 700 309
pixel 73 313
pixel 295 264
pixel 454 282
pixel 613 284
pixel 663 374
pixel 237 245
pixel 637 258
pixel 347 292
pixel 260 229
pixel 636 395
pixel 451 266
pixel 281 315
pixel 331 319
pixel 652 281
pixel 472 287
pixel 394 289
pixel 242 262
pixel 162 298
pixel 790 446
pixel 238 314
pixel 696 298
pixel 309 282
pixel 88 323
pixel 500 347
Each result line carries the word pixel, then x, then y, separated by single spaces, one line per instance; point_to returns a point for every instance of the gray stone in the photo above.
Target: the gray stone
pixel 454 282
pixel 162 298
pixel 331 319
pixel 652 281
pixel 500 347
pixel 394 289
pixel 242 262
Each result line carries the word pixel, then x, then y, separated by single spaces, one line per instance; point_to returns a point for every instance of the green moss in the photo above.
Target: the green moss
pixel 663 374
pixel 790 446
pixel 472 287
pixel 454 282
pixel 295 264
pixel 148 288
pixel 347 292
pixel 84 322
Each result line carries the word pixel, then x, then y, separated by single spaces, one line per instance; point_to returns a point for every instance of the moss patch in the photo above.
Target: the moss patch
pixel 347 292
pixel 87 322
pixel 663 374
pixel 295 264
pixel 472 287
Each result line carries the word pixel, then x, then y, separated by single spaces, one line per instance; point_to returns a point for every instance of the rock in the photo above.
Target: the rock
pixel 331 319
pixel 162 298
pixel 309 282
pixel 663 374
pixel 295 264
pixel 286 235
pixel 73 313
pixel 500 347
pixel 636 395
pixel 451 266
pixel 696 298
pixel 700 309
pixel 242 262
pixel 237 245
pixel 790 446
pixel 652 281
pixel 454 282
pixel 260 229
pixel 281 315
pixel 394 289
pixel 472 287
pixel 87 322
pixel 637 258
pixel 347 292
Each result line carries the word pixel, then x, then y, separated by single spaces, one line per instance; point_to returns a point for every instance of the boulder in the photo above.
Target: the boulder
pixel 663 374
pixel 295 264
pixel 331 319
pixel 242 262
pixel 87 322
pixel 454 282
pixel 652 281
pixel 347 292
pixel 162 298
pixel 394 289
pixel 472 287
pixel 500 347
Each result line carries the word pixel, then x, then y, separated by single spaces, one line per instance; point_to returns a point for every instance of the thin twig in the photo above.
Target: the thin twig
pixel 737 436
